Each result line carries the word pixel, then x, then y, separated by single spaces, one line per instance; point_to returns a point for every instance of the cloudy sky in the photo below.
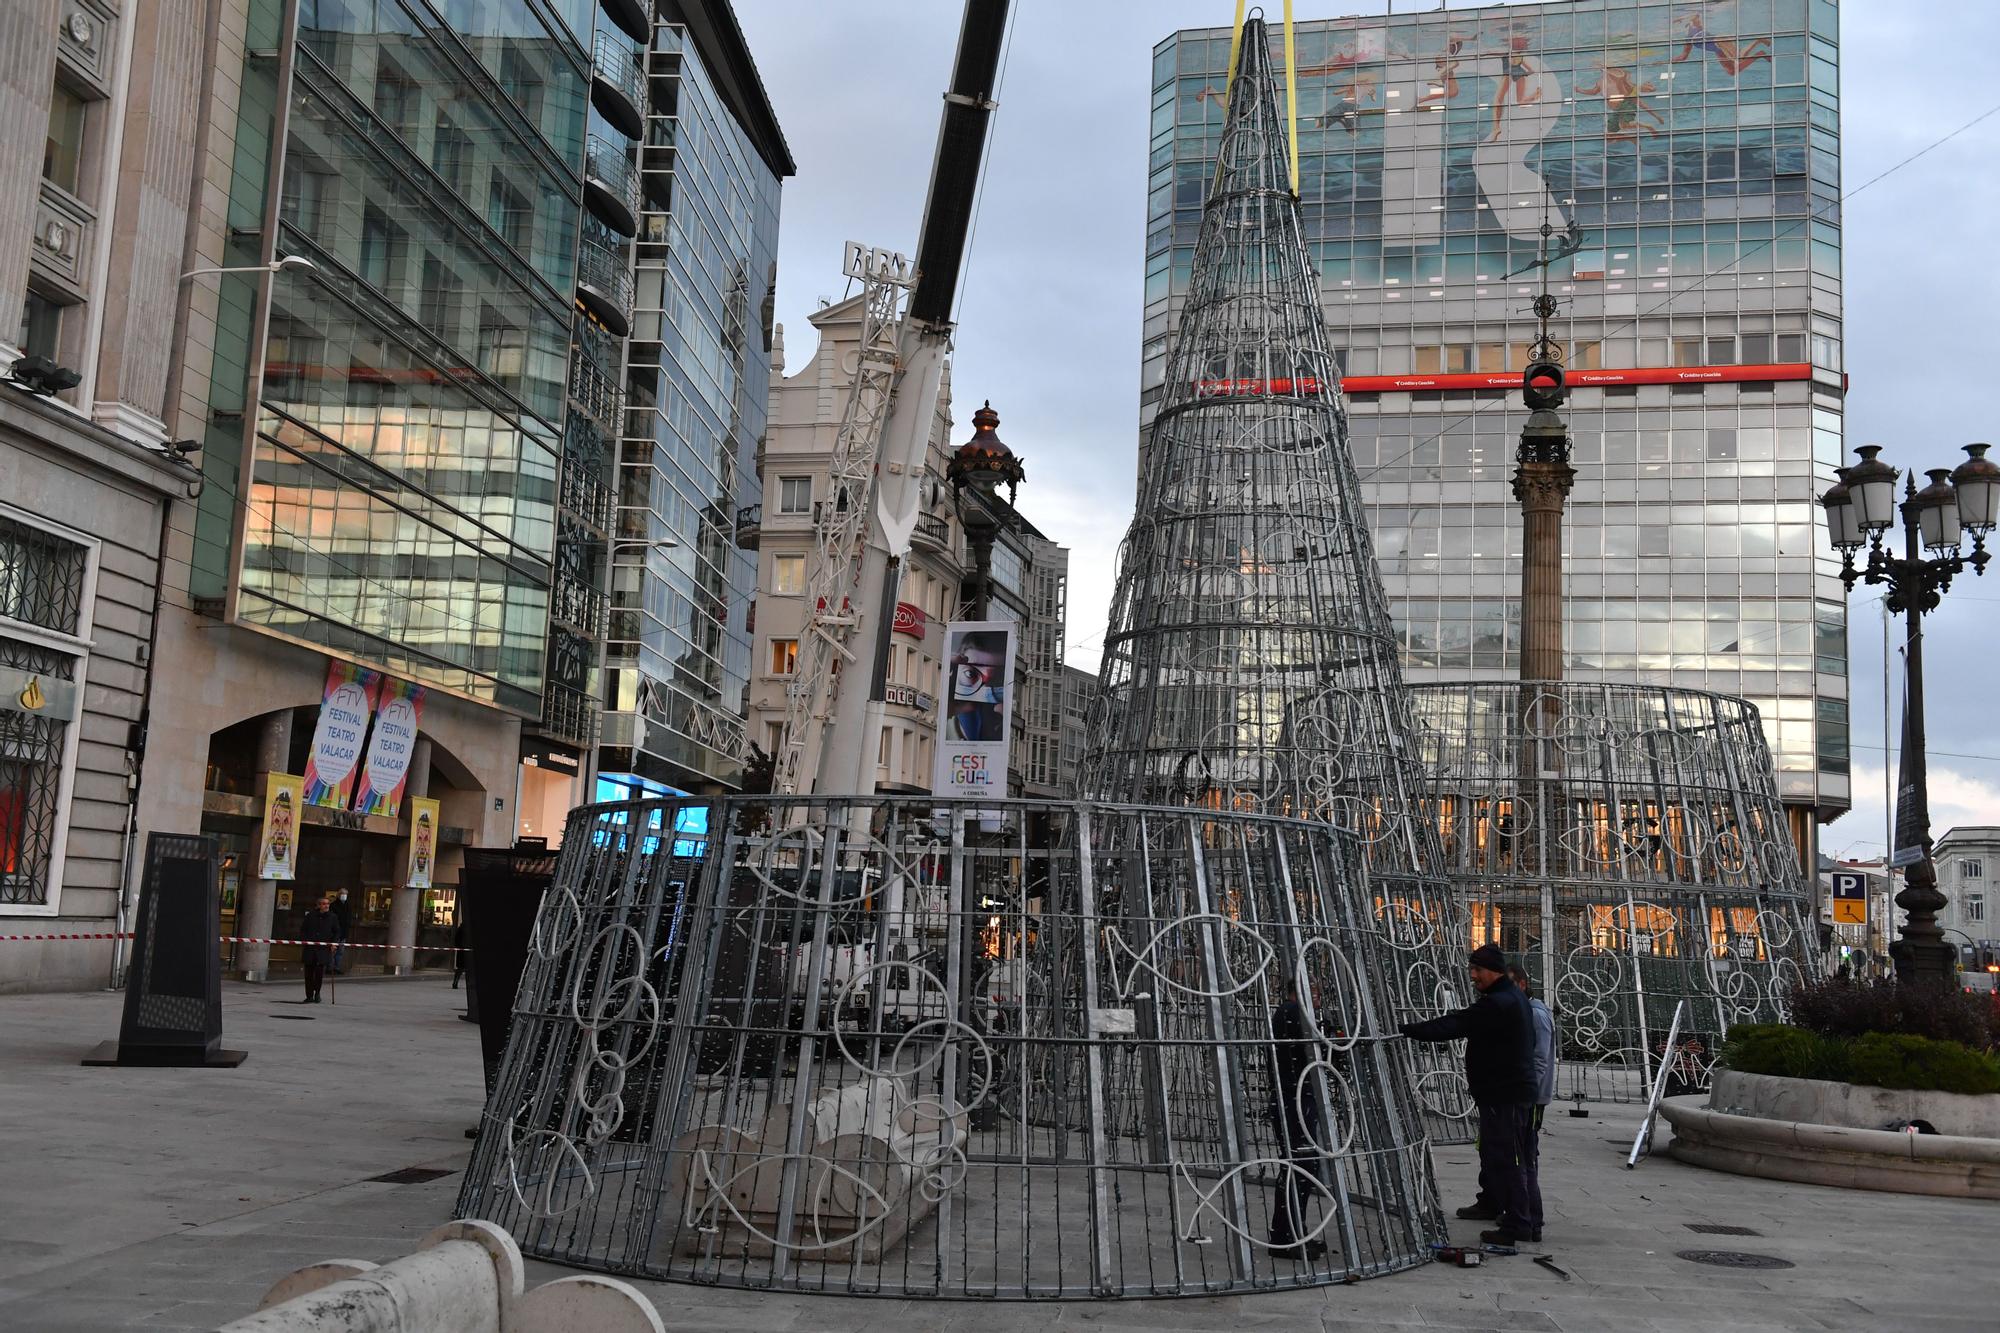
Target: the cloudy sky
pixel 1049 311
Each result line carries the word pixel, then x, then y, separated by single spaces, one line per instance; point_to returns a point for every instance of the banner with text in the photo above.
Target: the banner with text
pixel 279 854
pixel 423 841
pixel 977 715
pixel 343 725
pixel 389 749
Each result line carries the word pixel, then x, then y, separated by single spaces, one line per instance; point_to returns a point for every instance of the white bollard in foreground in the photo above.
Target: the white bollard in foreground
pixel 466 1277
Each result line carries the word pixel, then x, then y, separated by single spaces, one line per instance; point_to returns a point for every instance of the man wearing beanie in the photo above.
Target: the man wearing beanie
pixel 1499 1033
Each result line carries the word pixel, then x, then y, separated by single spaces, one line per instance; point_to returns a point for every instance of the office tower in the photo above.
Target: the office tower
pixel 368 273
pixel 696 383
pixel 1688 161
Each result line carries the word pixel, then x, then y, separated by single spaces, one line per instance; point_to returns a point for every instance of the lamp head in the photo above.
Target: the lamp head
pixel 1937 512
pixel 1872 483
pixel 1843 524
pixel 1977 481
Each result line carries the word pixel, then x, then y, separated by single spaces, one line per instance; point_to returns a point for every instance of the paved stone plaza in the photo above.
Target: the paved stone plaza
pixel 172 1198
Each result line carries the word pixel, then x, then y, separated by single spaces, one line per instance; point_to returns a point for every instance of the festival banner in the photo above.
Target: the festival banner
pixel 977 718
pixel 343 724
pixel 423 842
pixel 389 749
pixel 279 856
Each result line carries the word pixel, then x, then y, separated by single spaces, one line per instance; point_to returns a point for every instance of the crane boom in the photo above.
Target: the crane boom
pixel 832 718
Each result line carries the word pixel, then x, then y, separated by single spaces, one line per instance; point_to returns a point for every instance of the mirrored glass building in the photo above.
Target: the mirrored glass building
pixel 1686 158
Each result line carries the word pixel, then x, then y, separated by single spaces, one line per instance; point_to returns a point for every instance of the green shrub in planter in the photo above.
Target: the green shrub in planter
pixel 1788 1052
pixel 1892 1060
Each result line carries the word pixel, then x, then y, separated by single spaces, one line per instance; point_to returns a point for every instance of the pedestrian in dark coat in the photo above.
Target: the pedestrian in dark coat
pixel 1499 1033
pixel 1295 1115
pixel 343 915
pixel 318 925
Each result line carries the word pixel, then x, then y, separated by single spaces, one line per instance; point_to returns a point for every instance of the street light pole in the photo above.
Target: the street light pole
pixel 1860 508
pixel 981 464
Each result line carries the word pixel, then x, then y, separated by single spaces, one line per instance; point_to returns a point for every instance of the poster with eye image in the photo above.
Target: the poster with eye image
pixel 975 709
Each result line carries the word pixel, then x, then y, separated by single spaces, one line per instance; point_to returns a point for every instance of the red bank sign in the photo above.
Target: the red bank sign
pixel 1511 379
pixel 1581 378
pixel 910 620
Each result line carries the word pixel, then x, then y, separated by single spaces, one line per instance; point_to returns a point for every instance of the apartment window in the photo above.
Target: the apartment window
pixel 1972 869
pixel 62 152
pixel 774 736
pixel 784 656
pixel 43 630
pixel 41 326
pixel 1975 907
pixel 788 574
pixel 795 495
pixel 882 749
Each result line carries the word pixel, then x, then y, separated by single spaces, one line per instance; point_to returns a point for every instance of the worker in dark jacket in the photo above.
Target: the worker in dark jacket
pixel 1499 1033
pixel 318 924
pixel 1295 1115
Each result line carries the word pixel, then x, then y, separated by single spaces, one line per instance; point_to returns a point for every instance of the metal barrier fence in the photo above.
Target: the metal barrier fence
pixel 888 1046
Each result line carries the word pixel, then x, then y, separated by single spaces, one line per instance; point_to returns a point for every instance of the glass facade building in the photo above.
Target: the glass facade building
pixel 398 498
pixel 696 389
pixel 1686 159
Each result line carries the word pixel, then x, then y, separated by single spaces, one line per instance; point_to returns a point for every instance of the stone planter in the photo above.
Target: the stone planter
pixel 1825 1133
pixel 1815 1101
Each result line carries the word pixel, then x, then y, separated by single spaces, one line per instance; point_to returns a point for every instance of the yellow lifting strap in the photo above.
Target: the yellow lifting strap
pixel 1291 97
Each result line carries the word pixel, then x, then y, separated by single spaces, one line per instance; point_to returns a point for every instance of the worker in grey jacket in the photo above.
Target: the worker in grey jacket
pixel 1545 1086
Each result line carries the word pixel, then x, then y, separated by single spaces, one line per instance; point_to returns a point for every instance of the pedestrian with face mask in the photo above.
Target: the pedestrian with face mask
pixel 319 929
pixel 343 915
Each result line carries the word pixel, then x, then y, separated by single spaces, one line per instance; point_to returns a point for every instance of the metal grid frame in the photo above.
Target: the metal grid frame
pixel 1251 662
pixel 1625 843
pixel 882 1046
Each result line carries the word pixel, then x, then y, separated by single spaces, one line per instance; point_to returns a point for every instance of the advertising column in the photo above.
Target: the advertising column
pixel 976 715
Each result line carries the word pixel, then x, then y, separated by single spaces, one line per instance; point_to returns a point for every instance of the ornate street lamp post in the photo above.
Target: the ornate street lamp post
pixel 1860 508
pixel 981 464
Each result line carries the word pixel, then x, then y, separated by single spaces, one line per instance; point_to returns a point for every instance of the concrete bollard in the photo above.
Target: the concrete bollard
pixel 466 1277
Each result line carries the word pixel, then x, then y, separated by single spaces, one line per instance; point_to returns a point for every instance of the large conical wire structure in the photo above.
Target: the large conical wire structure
pixel 1251 663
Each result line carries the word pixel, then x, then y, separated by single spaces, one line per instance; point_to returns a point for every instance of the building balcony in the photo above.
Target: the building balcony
pixel 611 184
pixel 594 389
pixel 569 715
pixel 583 493
pixel 604 282
pixel 934 533
pixel 618 83
pixel 749 526
pixel 633 17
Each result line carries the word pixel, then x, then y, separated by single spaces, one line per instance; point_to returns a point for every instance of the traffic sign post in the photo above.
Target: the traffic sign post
pixel 1850 898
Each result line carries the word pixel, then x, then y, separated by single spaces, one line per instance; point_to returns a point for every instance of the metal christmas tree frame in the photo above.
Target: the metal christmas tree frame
pixel 1624 843
pixel 1251 662
pixel 861 1046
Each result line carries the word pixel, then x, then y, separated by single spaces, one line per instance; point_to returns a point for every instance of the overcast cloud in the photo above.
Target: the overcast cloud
pixel 1049 311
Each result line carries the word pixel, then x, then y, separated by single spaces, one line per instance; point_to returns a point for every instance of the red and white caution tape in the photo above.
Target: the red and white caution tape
pixel 251 939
